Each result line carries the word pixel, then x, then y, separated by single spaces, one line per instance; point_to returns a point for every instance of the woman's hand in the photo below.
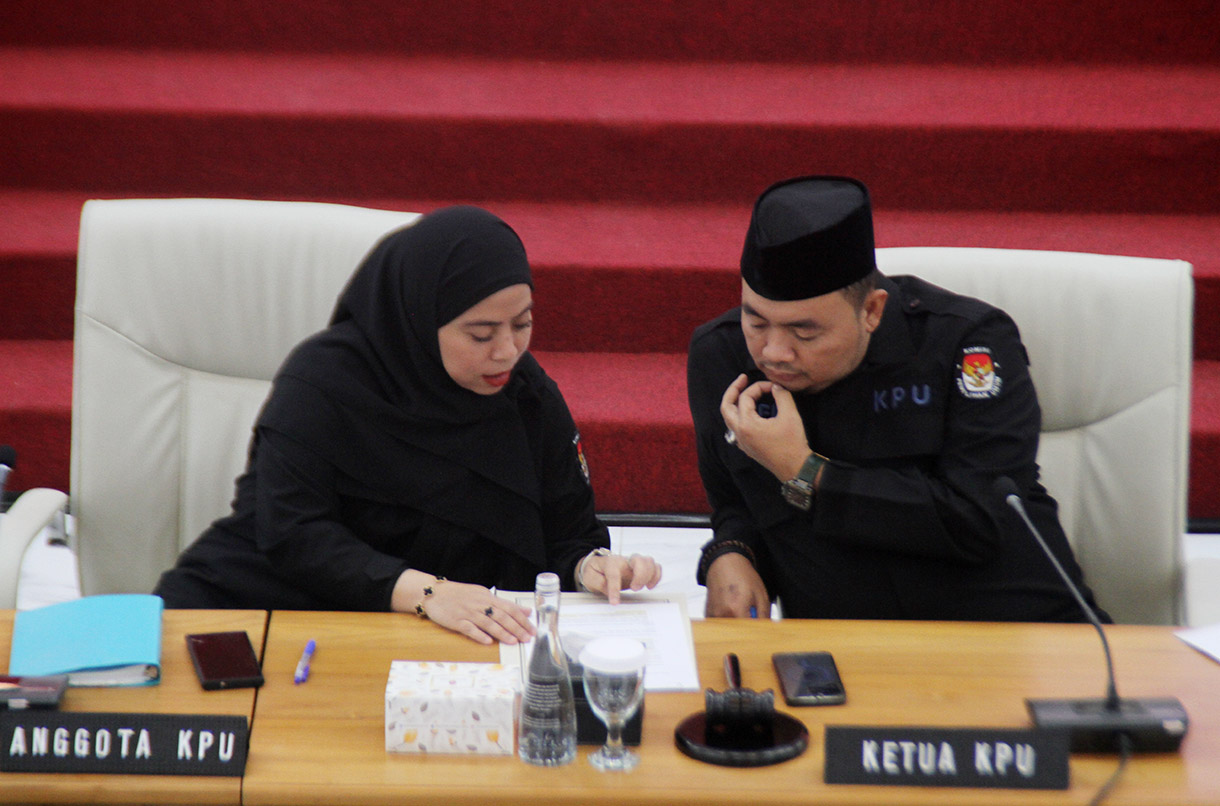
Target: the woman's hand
pixel 607 574
pixel 472 610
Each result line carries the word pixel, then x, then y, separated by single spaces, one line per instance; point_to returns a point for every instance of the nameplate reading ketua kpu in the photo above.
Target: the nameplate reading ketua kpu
pixel 127 744
pixel 962 757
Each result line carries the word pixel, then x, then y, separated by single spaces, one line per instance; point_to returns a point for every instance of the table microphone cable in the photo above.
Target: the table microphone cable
pixel 1124 755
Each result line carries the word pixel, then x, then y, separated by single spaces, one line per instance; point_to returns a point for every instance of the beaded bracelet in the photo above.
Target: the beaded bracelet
pixel 716 550
pixel 428 591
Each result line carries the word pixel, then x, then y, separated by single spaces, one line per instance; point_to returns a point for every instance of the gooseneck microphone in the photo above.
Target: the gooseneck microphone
pixel 1007 488
pixel 1098 725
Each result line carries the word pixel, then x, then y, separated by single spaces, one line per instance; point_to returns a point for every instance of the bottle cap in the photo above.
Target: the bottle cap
pixel 547 582
pixel 613 655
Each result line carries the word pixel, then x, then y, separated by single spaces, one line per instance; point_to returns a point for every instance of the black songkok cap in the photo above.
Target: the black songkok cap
pixel 809 236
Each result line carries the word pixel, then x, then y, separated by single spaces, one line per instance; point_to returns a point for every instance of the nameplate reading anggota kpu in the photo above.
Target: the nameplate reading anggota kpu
pixel 963 757
pixel 148 744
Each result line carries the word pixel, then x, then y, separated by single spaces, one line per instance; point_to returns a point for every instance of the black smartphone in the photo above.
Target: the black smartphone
pixel 224 660
pixel 809 678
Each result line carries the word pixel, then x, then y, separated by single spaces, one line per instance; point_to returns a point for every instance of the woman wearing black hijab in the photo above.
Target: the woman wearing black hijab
pixel 413 454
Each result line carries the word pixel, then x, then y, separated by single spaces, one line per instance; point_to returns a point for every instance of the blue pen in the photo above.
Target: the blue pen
pixel 753 611
pixel 302 672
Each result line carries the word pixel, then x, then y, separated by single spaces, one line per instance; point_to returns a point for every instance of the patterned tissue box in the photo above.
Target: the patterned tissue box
pixel 433 707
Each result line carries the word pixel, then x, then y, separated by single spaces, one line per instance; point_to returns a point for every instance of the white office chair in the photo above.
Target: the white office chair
pixel 25 520
pixel 184 310
pixel 1109 340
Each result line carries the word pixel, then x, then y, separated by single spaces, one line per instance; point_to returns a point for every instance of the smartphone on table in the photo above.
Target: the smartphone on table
pixel 809 678
pixel 224 660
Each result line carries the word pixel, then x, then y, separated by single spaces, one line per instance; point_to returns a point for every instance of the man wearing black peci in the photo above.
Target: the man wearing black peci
pixel 851 428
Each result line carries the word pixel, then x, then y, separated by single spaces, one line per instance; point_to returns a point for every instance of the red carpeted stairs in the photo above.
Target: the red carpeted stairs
pixel 626 142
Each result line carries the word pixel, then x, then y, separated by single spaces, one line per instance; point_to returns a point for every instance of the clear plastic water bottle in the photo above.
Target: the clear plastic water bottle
pixel 547 728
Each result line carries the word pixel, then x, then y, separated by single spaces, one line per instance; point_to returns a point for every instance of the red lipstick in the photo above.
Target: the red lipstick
pixel 498 380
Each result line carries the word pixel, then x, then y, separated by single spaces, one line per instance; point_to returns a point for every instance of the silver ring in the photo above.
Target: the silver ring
pixel 730 437
pixel 489 611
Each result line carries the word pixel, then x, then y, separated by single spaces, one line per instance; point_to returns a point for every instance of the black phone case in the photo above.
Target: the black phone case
pixel 224 660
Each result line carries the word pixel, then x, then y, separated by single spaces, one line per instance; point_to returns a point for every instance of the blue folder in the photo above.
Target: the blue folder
pixel 105 640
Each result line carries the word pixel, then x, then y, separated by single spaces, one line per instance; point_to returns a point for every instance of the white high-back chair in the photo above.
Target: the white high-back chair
pixel 184 310
pixel 1109 341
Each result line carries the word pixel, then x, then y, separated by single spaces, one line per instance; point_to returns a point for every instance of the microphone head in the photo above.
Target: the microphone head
pixel 8 456
pixel 1005 488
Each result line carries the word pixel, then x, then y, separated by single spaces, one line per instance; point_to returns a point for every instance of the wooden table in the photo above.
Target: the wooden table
pixel 323 742
pixel 177 693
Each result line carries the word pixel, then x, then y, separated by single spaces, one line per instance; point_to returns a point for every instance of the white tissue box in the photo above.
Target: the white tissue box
pixel 433 707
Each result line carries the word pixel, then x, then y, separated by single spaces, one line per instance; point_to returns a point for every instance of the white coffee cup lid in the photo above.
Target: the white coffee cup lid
pixel 612 655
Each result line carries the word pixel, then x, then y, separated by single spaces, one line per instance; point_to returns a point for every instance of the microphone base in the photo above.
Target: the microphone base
pixel 1154 725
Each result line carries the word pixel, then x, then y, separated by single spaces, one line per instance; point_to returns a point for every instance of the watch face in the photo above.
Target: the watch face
pixel 798 493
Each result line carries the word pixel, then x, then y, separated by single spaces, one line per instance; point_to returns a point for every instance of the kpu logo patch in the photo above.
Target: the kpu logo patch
pixel 978 375
pixel 580 457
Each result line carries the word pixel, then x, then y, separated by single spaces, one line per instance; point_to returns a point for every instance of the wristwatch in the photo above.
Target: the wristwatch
pixel 799 491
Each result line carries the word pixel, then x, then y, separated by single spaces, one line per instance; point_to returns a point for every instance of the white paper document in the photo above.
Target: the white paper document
pixel 1204 639
pixel 660 622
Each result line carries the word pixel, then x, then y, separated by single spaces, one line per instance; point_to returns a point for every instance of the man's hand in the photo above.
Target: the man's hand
pixel 777 443
pixel 733 587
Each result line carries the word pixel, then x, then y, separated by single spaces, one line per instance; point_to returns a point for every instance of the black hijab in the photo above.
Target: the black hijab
pixel 371 395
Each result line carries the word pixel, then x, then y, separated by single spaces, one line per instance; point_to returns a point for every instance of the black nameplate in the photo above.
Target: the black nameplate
pixel 126 744
pixel 965 757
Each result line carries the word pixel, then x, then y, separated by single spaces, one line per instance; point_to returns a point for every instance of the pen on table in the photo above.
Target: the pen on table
pixel 732 670
pixel 302 672
pixel 753 611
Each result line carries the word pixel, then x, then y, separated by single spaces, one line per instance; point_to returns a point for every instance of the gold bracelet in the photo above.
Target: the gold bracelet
pixel 428 591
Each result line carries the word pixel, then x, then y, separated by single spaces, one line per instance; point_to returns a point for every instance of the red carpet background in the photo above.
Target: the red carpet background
pixel 625 141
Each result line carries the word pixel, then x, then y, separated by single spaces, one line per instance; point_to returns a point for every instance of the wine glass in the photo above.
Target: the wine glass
pixel 614 686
